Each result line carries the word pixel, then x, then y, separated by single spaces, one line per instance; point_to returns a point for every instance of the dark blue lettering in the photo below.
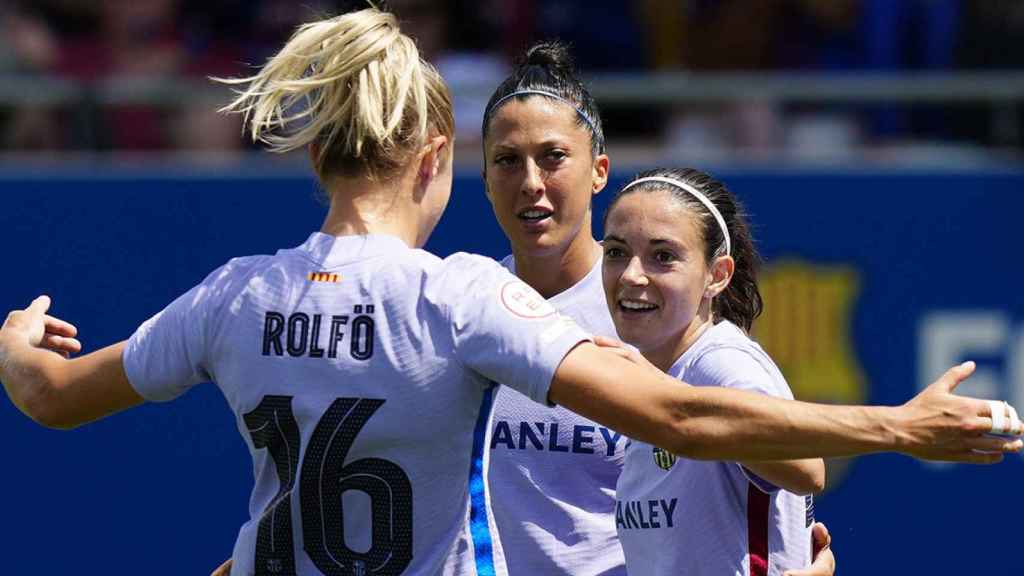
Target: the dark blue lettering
pixel 336 335
pixel 669 509
pixel 640 514
pixel 315 351
pixel 578 439
pixel 652 513
pixel 298 324
pixel 630 520
pixel 361 342
pixel 503 435
pixel 273 326
pixel 553 444
pixel 525 431
pixel 611 439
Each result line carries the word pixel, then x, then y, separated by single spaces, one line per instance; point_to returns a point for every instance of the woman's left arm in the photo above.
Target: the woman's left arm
pixel 53 390
pixel 798 476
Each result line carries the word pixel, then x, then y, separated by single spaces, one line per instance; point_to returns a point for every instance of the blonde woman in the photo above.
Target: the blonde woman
pixel 343 358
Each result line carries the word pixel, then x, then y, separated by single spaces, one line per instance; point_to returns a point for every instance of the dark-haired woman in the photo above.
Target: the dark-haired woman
pixel 553 472
pixel 680 278
pixel 342 357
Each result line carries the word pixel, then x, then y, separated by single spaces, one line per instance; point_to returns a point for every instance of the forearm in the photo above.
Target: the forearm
pixel 715 423
pixel 797 476
pixel 724 424
pixel 28 378
pixel 61 393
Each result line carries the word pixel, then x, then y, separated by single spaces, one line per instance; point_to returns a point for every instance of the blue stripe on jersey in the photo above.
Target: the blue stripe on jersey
pixel 478 525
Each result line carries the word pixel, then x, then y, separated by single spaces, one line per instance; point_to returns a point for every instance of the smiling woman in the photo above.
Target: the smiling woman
pixel 680 278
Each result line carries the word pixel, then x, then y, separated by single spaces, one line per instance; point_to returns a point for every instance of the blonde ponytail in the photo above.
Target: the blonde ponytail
pixel 353 84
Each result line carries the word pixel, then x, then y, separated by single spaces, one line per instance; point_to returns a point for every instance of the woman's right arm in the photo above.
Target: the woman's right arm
pixel 51 389
pixel 722 424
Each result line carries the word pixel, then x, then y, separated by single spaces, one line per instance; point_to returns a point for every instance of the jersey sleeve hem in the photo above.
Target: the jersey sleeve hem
pixel 136 375
pixel 570 335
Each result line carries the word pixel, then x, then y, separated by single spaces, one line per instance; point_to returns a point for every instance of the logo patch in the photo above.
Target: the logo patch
pixel 663 458
pixel 523 301
pixel 324 277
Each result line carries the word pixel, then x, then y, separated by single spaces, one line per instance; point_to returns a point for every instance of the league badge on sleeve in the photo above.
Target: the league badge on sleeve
pixel 523 301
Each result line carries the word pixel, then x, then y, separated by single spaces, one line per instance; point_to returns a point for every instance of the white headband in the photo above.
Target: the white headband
pixel 696 194
pixel 527 91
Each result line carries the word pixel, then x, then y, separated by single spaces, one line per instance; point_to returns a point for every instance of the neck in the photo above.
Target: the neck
pixel 552 274
pixel 665 355
pixel 362 206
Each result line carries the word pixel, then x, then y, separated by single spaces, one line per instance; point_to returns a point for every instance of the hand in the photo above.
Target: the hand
pixel 40 330
pixel 824 562
pixel 938 425
pixel 223 570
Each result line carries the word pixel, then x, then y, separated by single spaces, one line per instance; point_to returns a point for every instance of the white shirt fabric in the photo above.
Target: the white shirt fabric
pixel 680 516
pixel 364 397
pixel 553 472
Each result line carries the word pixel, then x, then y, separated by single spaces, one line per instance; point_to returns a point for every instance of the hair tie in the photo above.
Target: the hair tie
pixel 696 194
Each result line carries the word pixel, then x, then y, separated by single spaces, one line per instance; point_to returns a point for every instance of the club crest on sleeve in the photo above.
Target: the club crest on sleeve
pixel 324 277
pixel 663 458
pixel 518 298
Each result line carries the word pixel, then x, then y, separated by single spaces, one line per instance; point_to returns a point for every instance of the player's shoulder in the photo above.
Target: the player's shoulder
pixel 463 267
pixel 237 269
pixel 726 356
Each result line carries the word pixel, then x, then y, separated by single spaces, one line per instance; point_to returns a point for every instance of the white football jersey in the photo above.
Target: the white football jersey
pixel 553 472
pixel 680 516
pixel 361 373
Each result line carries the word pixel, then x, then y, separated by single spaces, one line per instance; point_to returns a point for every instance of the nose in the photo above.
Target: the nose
pixel 533 182
pixel 634 274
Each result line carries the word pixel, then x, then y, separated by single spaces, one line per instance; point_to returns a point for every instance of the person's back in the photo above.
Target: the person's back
pixel 354 366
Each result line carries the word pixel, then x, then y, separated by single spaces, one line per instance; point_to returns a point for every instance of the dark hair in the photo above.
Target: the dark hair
pixel 548 66
pixel 740 302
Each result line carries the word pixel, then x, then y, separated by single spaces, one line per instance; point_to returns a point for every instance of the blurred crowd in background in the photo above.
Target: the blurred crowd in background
pixel 87 44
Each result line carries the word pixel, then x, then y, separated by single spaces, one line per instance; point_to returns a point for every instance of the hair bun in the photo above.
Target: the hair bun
pixel 553 55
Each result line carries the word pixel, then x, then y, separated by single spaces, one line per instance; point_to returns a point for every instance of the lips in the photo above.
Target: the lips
pixel 636 306
pixel 534 214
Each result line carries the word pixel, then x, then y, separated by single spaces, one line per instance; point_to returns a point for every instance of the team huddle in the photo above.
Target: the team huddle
pixel 604 408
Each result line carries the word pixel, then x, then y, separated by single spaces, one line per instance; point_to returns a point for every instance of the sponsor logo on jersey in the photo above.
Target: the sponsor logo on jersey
pixel 524 302
pixel 324 277
pixel 807 330
pixel 547 436
pixel 663 458
pixel 645 514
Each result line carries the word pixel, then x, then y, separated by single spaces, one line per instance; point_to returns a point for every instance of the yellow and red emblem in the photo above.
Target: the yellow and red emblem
pixel 330 277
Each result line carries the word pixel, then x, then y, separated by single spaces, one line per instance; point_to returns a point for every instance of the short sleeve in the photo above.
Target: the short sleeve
pixel 743 369
pixel 502 328
pixel 738 367
pixel 166 355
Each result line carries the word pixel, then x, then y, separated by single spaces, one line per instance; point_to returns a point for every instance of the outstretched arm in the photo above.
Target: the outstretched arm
pixel 723 424
pixel 51 389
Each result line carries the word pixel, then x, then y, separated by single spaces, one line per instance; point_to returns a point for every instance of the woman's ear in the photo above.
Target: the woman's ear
pixel 432 155
pixel 722 269
pixel 600 173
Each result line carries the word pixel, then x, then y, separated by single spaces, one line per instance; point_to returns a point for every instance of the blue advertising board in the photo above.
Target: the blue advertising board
pixel 875 282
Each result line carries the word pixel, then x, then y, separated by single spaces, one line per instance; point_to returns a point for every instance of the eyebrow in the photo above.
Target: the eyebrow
pixel 654 241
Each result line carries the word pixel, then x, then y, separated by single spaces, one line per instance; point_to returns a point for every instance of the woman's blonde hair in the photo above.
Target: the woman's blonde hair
pixel 355 86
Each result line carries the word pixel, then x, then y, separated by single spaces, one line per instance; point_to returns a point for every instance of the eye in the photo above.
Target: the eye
pixel 505 160
pixel 613 252
pixel 664 257
pixel 557 155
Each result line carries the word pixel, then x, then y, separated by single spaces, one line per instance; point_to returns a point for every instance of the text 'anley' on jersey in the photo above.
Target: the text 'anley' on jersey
pixel 545 436
pixel 645 514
